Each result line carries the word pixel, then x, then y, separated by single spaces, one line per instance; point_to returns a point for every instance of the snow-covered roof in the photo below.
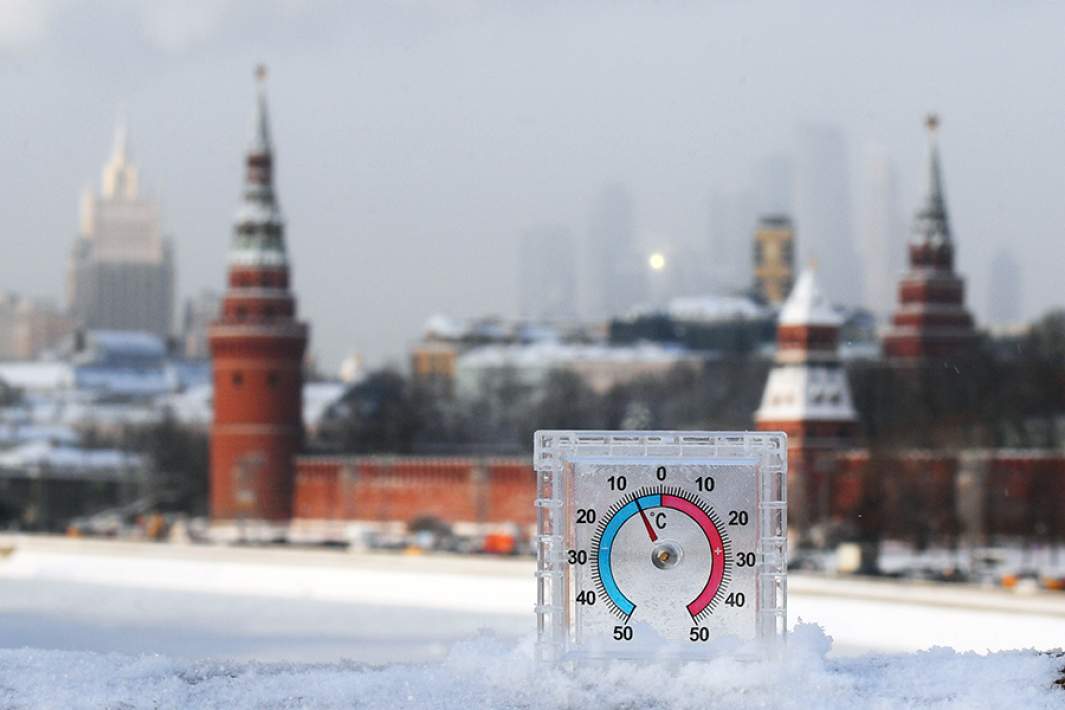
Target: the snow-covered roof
pixel 126 382
pixel 12 433
pixel 703 309
pixel 711 309
pixel 68 459
pixel 553 354
pixel 804 392
pixel 127 342
pixel 807 305
pixel 37 376
pixel 444 327
pixel 440 327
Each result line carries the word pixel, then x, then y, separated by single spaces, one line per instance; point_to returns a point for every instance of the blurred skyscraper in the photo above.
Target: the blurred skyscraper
pixel 200 311
pixel 823 210
pixel 774 185
pixel 1004 296
pixel 547 274
pixel 618 268
pixel 29 327
pixel 883 232
pixel 733 217
pixel 121 274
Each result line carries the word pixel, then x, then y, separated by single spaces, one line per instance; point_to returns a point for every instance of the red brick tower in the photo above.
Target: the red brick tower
pixel 931 321
pixel 808 397
pixel 257 350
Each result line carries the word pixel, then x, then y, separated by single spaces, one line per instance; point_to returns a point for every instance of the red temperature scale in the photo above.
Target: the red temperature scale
pixel 659 544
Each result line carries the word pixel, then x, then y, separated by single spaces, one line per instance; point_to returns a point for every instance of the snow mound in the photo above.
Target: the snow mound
pixel 489 673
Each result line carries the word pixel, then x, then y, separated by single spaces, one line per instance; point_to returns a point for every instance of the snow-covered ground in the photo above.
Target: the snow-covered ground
pixel 493 673
pixel 94 624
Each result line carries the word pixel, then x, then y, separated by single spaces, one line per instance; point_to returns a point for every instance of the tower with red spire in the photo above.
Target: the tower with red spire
pixel 931 321
pixel 257 347
pixel 808 397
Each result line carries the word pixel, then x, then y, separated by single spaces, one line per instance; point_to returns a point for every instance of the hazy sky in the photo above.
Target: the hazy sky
pixel 417 139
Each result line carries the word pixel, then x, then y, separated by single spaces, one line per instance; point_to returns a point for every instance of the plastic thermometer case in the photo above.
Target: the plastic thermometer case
pixel 665 544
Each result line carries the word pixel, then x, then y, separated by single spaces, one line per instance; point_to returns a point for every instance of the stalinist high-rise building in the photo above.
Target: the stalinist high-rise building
pixel 121 274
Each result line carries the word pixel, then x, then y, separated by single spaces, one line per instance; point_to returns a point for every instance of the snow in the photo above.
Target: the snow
pixel 259 213
pixel 548 355
pixel 94 624
pixel 37 376
pixel 126 344
pixel 127 382
pixel 70 460
pixel 265 257
pixel 491 672
pixel 807 305
pixel 714 309
pixel 444 327
pixel 12 433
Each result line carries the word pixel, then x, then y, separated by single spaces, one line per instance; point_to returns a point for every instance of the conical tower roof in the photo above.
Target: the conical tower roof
pixel 931 223
pixel 807 304
pixel 258 238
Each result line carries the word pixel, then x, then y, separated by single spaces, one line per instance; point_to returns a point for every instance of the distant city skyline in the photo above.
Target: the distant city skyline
pixel 547 274
pixel 883 233
pixel 823 209
pixel 419 138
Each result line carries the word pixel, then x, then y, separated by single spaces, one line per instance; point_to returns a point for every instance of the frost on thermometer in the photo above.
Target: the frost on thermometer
pixel 659 543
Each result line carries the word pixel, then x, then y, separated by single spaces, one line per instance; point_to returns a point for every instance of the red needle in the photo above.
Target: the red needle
pixel 646 522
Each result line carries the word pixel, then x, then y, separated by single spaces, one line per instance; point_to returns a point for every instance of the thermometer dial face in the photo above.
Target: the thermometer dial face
pixel 662 555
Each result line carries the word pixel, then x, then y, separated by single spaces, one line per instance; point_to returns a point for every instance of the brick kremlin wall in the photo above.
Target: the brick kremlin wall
pixel 981 495
pixel 387 489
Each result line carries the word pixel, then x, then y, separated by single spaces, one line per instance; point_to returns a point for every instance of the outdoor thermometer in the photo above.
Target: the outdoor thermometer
pixel 658 544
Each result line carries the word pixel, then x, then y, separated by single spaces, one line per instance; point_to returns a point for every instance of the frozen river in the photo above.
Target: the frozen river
pixel 320 606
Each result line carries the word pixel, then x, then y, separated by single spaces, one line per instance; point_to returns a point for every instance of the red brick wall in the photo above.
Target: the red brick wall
pixel 1026 496
pixel 511 491
pixel 915 492
pixel 1023 492
pixel 391 489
